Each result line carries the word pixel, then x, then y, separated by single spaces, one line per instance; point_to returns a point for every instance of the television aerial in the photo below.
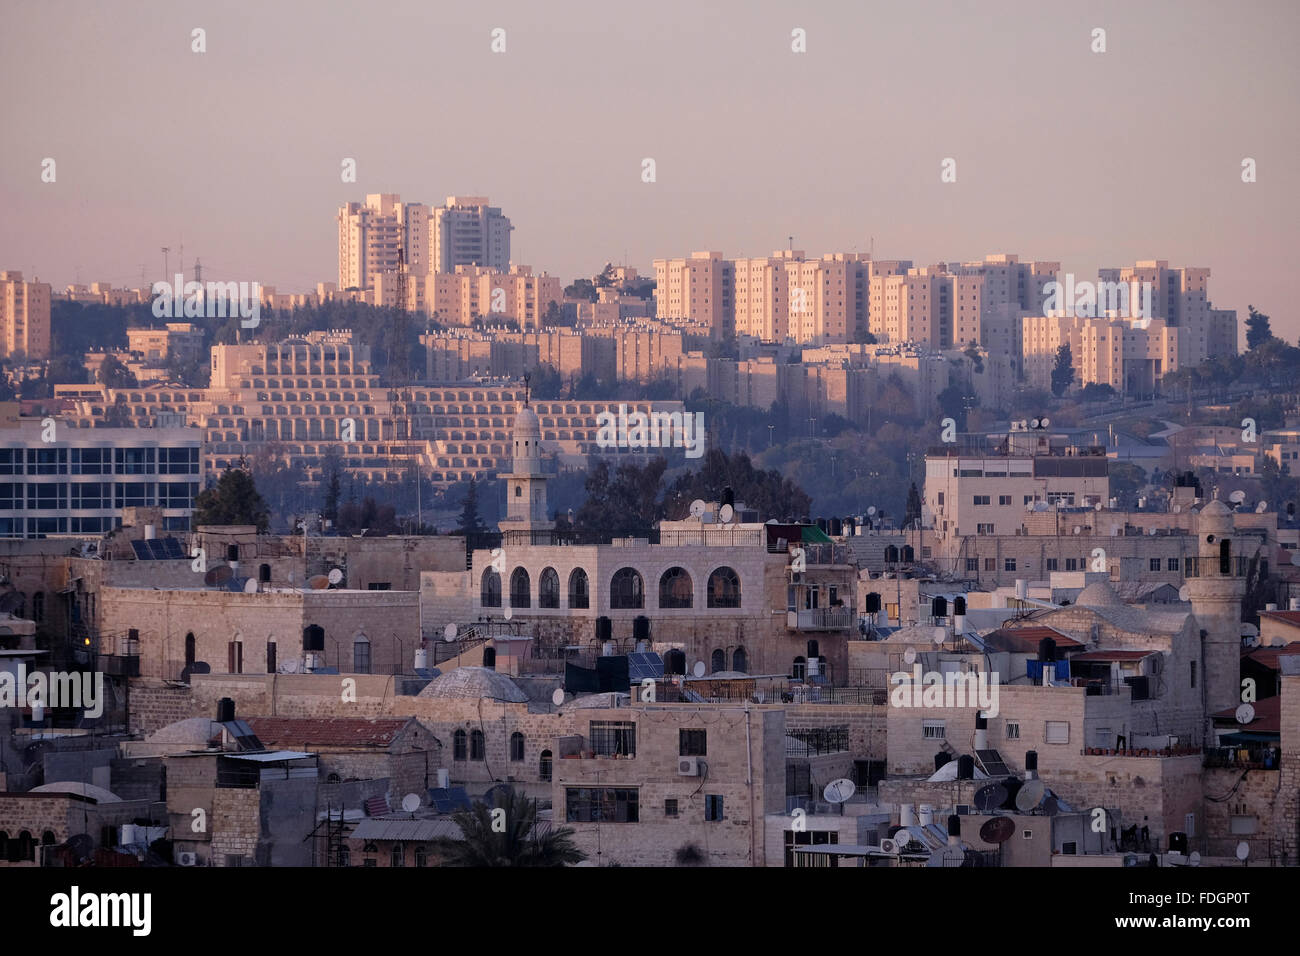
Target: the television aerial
pixel 871 511
pixel 838 791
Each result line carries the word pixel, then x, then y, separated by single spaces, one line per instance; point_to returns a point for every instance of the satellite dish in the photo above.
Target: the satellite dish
pixel 1040 506
pixel 558 697
pixel 82 846
pixel 997 830
pixel 837 791
pixel 1261 507
pixel 1030 795
pixel 699 669
pixel 1237 497
pixel 335 576
pixel 1097 506
pixel 1245 714
pixel 1184 594
pixel 1044 422
pixel 988 798
pixel 909 656
pixel 1151 532
pixel 951 855
pixel 1177 509
pixel 698 508
pixel 940 635
pixel 1194 859
pixel 218 576
pixel 726 514
pixel 289 667
pixel 871 511
pixel 250 586
pixel 318 582
pixel 411 802
pixel 1029 507
pixel 449 632
pixel 1243 851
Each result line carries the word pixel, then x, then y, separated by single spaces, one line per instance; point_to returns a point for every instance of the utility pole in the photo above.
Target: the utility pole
pixel 166 267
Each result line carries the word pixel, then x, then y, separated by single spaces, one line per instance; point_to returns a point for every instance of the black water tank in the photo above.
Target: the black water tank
pixel 232 552
pixel 891 554
pixel 959 606
pixel 728 496
pixel 941 759
pixel 873 603
pixel 908 554
pixel 954 825
pixel 981 722
pixel 1178 842
pixel 641 628
pixel 1047 650
pixel 313 638
pixel 939 607
pixel 225 710
pixel 965 767
pixel 821 525
pixel 604 629
pixel 1031 761
pixel 813 649
pixel 835 527
pixel 490 658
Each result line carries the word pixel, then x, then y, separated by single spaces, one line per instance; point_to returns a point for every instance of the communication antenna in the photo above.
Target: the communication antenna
pixel 166 265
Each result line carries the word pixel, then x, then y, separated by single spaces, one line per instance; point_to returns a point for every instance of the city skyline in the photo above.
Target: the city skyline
pixel 562 155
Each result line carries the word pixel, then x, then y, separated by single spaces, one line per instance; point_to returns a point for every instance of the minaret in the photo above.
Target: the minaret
pixel 526 483
pixel 1215 588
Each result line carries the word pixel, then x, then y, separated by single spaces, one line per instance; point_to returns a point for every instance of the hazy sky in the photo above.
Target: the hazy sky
pixel 1062 153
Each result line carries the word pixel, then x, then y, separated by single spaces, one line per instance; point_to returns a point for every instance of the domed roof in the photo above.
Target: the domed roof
pixel 98 794
pixel 474 683
pixel 1098 594
pixel 1216 508
pixel 526 423
pixel 193 730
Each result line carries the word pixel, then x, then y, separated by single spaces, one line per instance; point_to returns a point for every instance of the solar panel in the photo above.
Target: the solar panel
pixel 992 763
pixel 644 666
pixel 449 799
pixel 141 549
pixel 172 548
pixel 156 550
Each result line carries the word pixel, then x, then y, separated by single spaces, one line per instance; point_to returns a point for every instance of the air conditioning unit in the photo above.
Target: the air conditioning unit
pixel 889 846
pixel 187 859
pixel 688 766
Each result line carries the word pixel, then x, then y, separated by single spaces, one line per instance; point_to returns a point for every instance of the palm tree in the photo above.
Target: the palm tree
pixel 516 840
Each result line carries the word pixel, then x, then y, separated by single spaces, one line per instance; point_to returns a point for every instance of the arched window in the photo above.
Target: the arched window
pixel 476 745
pixel 458 745
pixel 421 856
pixel 490 595
pixel 47 838
pixel 333 778
pixel 189 649
pixel 544 765
pixel 519 589
pixel 26 847
pixel 579 596
pixel 516 746
pixel 800 669
pixel 548 589
pixel 38 607
pixel 675 662
pixel 718 662
pixel 739 661
pixel 626 591
pixel 271 663
pixel 398 855
pixel 676 589
pixel 724 588
pixel 361 654
pixel 264 574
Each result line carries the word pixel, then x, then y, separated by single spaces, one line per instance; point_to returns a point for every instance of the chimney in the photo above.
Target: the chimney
pixel 981 732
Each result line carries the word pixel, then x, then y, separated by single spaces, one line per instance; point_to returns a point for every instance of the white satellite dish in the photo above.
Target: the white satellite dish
pixel 1044 422
pixel 837 791
pixel 940 635
pixel 1097 506
pixel 558 697
pixel 411 802
pixel 699 669
pixel 250 586
pixel 871 511
pixel 1261 507
pixel 698 508
pixel 1029 507
pixel 1237 497
pixel 1177 509
pixel 1151 532
pixel 909 656
pixel 1194 859
pixel 726 514
pixel 1243 850
pixel 289 667
pixel 335 576
pixel 449 632
pixel 1184 594
pixel 1245 714
pixel 952 855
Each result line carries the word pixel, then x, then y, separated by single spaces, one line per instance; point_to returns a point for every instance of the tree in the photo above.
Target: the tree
pixel 954 402
pixel 912 517
pixel 581 289
pixel 515 840
pixel 470 523
pixel 1126 479
pixel 1063 370
pixel 976 358
pixel 1097 392
pixel 233 500
pixel 1257 330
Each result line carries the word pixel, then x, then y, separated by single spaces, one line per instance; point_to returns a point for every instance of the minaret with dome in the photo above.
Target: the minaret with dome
pixel 526 484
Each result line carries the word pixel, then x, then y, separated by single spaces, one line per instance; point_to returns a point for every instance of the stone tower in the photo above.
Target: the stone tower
pixel 526 484
pixel 1216 582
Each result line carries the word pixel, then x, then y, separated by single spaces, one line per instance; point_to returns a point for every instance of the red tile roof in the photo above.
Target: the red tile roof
pixel 308 732
pixel 1024 640
pixel 1268 656
pixel 1286 617
pixel 1268 716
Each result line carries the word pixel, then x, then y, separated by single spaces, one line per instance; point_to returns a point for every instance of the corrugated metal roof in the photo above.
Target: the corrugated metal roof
pixel 1112 655
pixel 406 830
pixel 270 756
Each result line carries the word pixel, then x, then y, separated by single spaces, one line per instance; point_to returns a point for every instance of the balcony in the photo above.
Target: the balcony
pixel 821 619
